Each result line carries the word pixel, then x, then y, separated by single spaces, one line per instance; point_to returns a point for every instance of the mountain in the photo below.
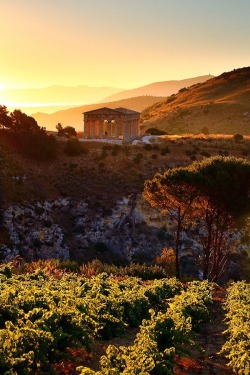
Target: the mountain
pixel 164 88
pixel 74 117
pixel 221 104
pixel 57 95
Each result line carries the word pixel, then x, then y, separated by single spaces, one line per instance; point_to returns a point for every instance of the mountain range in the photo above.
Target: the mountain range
pixel 136 99
pixel 57 95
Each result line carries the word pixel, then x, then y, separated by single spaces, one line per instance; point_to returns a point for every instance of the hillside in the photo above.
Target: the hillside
pixel 222 104
pixel 73 116
pixel 164 88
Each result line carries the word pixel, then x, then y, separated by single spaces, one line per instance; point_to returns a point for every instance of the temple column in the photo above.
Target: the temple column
pixel 125 131
pixel 109 129
pixel 117 128
pixel 130 129
pixel 133 135
pixel 85 128
pixel 138 128
pixel 88 129
pixel 92 130
pixel 100 129
pixel 135 128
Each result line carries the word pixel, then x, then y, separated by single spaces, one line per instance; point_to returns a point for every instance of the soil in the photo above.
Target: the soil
pixel 204 358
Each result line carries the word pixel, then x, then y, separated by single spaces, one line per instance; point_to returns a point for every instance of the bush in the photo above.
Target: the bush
pixel 74 147
pixel 155 131
pixel 238 137
pixel 165 150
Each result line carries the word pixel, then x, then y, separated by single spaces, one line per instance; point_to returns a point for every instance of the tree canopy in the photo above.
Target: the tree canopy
pixel 26 136
pixel 215 192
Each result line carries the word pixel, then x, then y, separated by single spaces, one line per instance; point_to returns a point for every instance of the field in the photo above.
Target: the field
pixel 58 322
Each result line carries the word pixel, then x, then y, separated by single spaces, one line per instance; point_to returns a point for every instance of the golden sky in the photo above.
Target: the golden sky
pixel 124 44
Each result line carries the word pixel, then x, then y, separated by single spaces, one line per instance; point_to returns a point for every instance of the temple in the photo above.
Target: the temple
pixel 107 123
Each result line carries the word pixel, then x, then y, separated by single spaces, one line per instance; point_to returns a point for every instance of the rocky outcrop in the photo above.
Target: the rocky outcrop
pixel 68 229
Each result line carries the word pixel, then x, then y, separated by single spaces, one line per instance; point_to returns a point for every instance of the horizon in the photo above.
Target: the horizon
pixel 122 45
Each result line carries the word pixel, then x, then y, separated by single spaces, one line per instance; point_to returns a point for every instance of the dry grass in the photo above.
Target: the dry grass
pixel 220 104
pixel 108 173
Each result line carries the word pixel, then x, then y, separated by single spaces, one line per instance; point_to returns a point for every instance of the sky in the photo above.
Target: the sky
pixel 120 43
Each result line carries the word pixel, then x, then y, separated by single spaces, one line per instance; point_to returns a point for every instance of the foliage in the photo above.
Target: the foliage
pixel 167 260
pixel 45 310
pixel 155 131
pixel 160 338
pixel 143 271
pixel 237 348
pixel 74 147
pixel 215 190
pixel 238 137
pixel 173 196
pixel 5 120
pixel 67 132
pixel 25 135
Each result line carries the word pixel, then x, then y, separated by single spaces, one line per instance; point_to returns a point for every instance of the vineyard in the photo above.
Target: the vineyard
pixel 51 322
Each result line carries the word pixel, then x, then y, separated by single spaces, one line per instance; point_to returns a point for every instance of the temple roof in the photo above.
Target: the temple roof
pixel 116 111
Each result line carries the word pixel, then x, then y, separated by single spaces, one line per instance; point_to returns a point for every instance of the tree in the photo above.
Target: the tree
pixel 59 129
pixel 173 196
pixel 5 120
pixel 223 185
pixel 215 194
pixel 67 132
pixel 22 123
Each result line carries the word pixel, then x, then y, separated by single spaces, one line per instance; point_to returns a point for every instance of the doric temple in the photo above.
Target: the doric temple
pixel 107 123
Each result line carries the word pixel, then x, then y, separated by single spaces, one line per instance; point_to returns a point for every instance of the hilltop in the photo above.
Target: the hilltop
pixel 221 104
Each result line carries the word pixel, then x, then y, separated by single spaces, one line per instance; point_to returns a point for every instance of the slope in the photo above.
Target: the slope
pixel 222 104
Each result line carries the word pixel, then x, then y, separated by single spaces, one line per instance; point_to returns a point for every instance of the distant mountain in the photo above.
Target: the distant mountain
pixel 164 88
pixel 74 117
pixel 222 104
pixel 57 95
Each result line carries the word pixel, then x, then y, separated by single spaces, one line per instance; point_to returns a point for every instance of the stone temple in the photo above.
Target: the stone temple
pixel 113 124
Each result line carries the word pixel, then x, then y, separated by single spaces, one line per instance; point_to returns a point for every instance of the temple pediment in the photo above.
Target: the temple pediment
pixel 103 111
pixel 110 111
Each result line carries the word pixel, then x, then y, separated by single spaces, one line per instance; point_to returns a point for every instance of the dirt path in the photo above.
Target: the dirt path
pixel 204 358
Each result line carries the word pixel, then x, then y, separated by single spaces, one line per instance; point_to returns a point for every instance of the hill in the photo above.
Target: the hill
pixel 164 88
pixel 222 104
pixel 73 116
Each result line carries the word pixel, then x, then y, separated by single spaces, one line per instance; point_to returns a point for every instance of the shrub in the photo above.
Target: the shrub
pixel 155 131
pixel 238 137
pixel 74 147
pixel 165 150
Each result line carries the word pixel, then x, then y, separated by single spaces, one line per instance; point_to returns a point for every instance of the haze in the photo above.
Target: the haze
pixel 118 44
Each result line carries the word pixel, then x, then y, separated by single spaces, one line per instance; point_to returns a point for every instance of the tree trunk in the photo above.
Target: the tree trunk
pixel 177 242
pixel 207 248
